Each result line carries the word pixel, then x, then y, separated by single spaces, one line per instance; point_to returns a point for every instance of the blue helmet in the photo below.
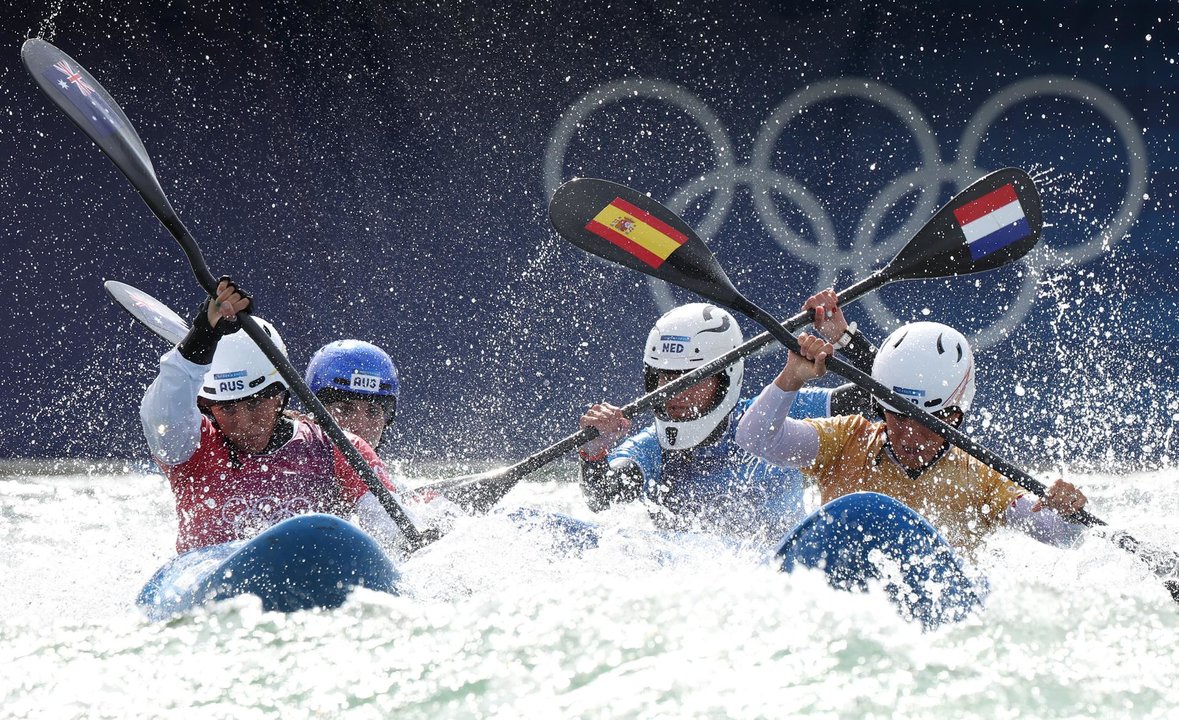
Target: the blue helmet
pixel 353 366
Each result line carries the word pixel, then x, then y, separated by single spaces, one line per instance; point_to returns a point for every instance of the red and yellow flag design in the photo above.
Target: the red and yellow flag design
pixel 636 231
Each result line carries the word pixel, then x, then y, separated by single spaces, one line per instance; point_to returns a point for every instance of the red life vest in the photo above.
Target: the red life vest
pixel 222 495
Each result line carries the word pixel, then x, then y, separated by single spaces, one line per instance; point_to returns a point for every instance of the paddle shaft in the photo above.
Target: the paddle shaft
pixel 497 483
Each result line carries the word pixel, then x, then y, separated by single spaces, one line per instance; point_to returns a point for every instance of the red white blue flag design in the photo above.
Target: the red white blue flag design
pixel 992 222
pixel 82 94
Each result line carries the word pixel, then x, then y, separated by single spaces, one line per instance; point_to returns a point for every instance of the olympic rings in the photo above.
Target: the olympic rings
pixel 867 250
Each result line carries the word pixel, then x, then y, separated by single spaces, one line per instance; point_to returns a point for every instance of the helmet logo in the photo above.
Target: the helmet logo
pixel 230 375
pixel 672 434
pixel 231 386
pixel 724 326
pixel 364 382
pixel 908 392
pixel 674 343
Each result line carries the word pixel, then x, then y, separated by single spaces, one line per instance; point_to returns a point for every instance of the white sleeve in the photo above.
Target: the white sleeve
pixel 374 520
pixel 437 512
pixel 767 431
pixel 1047 526
pixel 169 413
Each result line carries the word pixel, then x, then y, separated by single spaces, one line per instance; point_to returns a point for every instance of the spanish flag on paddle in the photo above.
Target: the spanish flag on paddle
pixel 628 227
pixel 638 232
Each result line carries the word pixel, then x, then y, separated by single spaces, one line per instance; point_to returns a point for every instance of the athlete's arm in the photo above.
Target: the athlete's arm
pixel 767 430
pixel 605 483
pixel 1047 526
pixel 370 514
pixel 849 398
pixel 169 414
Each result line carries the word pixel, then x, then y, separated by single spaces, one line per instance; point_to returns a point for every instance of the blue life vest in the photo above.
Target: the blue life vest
pixel 718 487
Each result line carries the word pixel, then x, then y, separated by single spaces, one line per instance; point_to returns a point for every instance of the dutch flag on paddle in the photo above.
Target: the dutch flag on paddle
pixel 992 222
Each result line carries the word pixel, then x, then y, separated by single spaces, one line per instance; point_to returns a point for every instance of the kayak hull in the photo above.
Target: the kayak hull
pixel 309 561
pixel 866 538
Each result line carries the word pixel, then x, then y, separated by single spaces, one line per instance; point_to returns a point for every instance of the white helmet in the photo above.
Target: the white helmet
pixel 684 339
pixel 239 367
pixel 929 364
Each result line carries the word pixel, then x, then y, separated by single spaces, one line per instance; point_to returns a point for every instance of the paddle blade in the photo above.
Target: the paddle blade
pixel 96 113
pixel 626 227
pixel 151 313
pixel 994 221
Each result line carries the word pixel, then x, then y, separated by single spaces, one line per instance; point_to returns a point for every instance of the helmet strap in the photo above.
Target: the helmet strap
pixel 717 432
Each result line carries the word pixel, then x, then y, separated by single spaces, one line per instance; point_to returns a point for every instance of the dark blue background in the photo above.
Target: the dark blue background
pixel 375 170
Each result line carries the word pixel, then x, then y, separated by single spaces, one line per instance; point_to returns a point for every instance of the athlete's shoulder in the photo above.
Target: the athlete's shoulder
pixel 642 448
pixel 642 439
pixel 211 445
pixel 846 426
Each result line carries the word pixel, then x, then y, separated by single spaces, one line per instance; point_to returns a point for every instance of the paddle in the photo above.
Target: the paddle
pixel 151 313
pixel 100 118
pixel 630 229
pixel 937 250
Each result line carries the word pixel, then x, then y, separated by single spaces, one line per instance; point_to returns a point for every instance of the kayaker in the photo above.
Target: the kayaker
pixel 358 384
pixel 214 421
pixel 929 364
pixel 686 467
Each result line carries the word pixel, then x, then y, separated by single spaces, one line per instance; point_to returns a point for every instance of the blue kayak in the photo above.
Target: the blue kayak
pixel 865 537
pixel 303 562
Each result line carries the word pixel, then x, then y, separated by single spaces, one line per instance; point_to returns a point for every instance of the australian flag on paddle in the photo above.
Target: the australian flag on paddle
pixel 74 84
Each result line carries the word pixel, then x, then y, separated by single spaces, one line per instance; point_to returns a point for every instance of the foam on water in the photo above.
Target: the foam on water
pixel 503 622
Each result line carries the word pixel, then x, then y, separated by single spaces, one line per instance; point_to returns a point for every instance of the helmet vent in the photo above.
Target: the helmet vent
pixel 959 353
pixel 900 340
pixel 940 350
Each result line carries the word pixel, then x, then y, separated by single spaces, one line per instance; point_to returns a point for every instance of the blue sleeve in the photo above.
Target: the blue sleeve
pixel 642 449
pixel 811 403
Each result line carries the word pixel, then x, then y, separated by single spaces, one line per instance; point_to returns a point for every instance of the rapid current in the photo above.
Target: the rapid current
pixel 496 621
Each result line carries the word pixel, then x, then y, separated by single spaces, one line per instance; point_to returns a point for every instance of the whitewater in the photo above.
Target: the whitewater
pixel 500 621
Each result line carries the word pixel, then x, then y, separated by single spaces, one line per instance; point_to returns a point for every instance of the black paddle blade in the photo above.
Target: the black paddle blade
pixel 95 112
pixel 151 313
pixel 996 220
pixel 625 226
